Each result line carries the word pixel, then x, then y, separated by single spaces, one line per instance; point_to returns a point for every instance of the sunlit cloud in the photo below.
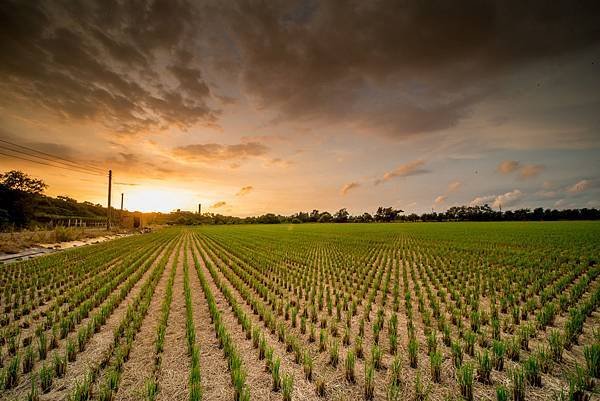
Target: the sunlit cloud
pixel 440 199
pixel 218 205
pixel 578 187
pixel 245 190
pixel 214 152
pixel 404 170
pixel 507 166
pixel 348 187
pixel 531 170
pixel 502 200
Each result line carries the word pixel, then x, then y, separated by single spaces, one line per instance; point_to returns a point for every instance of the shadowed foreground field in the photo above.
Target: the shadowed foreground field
pixel 308 312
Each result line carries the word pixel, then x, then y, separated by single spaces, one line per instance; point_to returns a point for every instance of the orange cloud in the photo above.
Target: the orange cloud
pixel 580 186
pixel 404 170
pixel 349 186
pixel 507 166
pixel 218 205
pixel 531 170
pixel 245 190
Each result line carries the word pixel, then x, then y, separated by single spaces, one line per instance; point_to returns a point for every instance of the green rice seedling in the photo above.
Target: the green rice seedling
pixel 431 342
pixel 262 347
pixel 70 350
pixel 322 340
pixel 369 389
pixel 413 352
pixel 287 387
pixel 276 375
pixel 12 372
pixel 269 358
pixel 518 384
pixel 592 359
pixel 498 351
pixel 484 367
pixel 435 359
pixel 308 366
pixel 457 354
pixel 501 393
pixel 531 368
pixel 303 325
pixel 464 376
pixel 349 366
pixel 255 337
pixel 544 359
pixel 361 328
pixel 446 339
pixel 393 392
pixel 46 377
pixel 555 342
pixel 470 339
pixel 311 335
pixel 82 390
pixel 238 377
pixel 358 347
pixel 28 359
pixel 104 393
pixel 513 349
pixel 151 389
pixel 421 393
pixel 334 353
pixel 320 387
pixel 42 346
pixel 346 337
pixel 376 356
pixel 396 372
pixel 82 338
pixel 33 392
pixel 581 380
pixel 59 365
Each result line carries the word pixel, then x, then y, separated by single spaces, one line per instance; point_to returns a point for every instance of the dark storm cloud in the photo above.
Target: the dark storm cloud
pixel 100 61
pixel 397 67
pixel 323 59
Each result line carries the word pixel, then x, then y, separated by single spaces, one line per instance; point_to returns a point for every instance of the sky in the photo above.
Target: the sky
pixel 251 107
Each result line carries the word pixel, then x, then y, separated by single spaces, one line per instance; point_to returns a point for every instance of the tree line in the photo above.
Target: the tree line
pixel 23 205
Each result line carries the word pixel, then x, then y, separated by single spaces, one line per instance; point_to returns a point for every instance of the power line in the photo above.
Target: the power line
pixel 74 167
pixel 63 160
pixel 51 165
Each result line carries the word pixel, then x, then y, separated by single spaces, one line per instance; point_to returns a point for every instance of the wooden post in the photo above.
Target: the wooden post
pixel 109 196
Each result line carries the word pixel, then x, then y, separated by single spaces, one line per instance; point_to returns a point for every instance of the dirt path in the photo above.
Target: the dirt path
pixel 173 380
pixel 141 359
pixel 216 383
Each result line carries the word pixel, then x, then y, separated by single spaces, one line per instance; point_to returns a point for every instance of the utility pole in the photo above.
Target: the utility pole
pixel 109 196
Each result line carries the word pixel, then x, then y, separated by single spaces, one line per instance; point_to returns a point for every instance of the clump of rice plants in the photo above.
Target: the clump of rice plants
pixel 592 359
pixel 276 375
pixel 334 353
pixel 517 377
pixel 287 386
pixel 484 367
pixel 349 366
pixel 531 368
pixel 369 388
pixel 413 353
pixel 464 376
pixel 435 359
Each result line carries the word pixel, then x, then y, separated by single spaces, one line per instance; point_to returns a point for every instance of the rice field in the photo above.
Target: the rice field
pixel 474 311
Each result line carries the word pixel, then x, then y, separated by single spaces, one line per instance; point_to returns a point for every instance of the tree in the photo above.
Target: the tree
pixel 341 216
pixel 19 181
pixel 387 214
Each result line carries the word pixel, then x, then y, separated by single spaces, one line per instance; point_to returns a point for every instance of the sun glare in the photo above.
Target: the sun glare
pixel 157 199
